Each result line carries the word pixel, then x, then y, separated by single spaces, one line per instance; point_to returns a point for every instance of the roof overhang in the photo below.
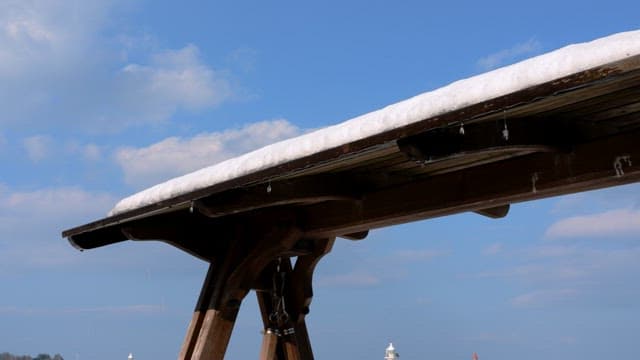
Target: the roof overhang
pixel 569 134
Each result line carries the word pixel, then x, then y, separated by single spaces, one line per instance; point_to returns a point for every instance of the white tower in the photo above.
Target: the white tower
pixel 130 357
pixel 390 353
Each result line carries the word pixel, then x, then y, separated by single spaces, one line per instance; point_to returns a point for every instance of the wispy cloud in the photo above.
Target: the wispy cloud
pixel 38 147
pixel 511 54
pixel 114 310
pixel 351 279
pixel 172 79
pixel 422 255
pixel 493 249
pixel 543 297
pixel 31 221
pixel 607 224
pixel 175 156
pixel 54 202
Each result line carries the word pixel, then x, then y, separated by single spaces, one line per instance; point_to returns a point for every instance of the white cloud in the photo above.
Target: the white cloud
pixel 61 64
pixel 493 249
pixel 541 272
pixel 607 224
pixel 547 251
pixel 544 297
pixel 504 56
pixel 175 156
pixel 173 79
pixel 617 197
pixel 31 222
pixel 91 152
pixel 38 147
pixel 55 202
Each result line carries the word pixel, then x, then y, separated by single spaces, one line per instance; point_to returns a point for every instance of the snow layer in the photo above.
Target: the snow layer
pixel 528 73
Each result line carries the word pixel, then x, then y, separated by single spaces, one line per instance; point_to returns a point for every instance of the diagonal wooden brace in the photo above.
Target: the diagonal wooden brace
pixel 298 293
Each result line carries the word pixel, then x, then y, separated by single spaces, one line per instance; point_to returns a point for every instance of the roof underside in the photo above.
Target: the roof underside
pixel 572 134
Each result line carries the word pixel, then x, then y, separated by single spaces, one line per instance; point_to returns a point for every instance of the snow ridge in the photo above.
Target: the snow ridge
pixel 534 71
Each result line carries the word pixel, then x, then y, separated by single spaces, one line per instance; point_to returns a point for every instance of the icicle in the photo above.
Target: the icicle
pixel 534 180
pixel 505 131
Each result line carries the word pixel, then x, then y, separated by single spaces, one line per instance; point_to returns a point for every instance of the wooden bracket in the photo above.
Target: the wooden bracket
pixel 496 212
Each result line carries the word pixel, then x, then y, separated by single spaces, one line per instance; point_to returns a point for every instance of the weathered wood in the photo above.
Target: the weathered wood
pixel 193 330
pixel 197 319
pixel 215 333
pixel 269 345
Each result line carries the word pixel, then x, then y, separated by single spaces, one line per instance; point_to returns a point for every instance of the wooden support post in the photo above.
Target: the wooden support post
pixel 231 276
pixel 214 335
pixel 198 316
pixel 290 348
pixel 269 345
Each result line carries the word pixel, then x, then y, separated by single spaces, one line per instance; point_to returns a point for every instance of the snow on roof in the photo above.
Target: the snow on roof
pixel 534 71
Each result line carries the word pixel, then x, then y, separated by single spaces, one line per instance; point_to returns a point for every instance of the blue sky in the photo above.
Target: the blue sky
pixel 100 99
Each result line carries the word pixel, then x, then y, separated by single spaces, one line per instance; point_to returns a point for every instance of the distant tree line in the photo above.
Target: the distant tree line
pixel 7 356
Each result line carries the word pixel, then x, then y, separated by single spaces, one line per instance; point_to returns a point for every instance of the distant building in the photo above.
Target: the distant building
pixel 130 357
pixel 390 353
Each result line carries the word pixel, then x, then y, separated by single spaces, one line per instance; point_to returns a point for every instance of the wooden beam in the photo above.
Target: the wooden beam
pixel 193 233
pixel 588 166
pixel 277 193
pixel 524 135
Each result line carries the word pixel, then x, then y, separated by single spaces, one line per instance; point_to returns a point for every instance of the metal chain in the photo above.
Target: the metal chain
pixel 279 317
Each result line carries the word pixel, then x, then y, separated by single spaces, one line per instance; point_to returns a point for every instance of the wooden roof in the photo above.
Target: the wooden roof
pixel 571 134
